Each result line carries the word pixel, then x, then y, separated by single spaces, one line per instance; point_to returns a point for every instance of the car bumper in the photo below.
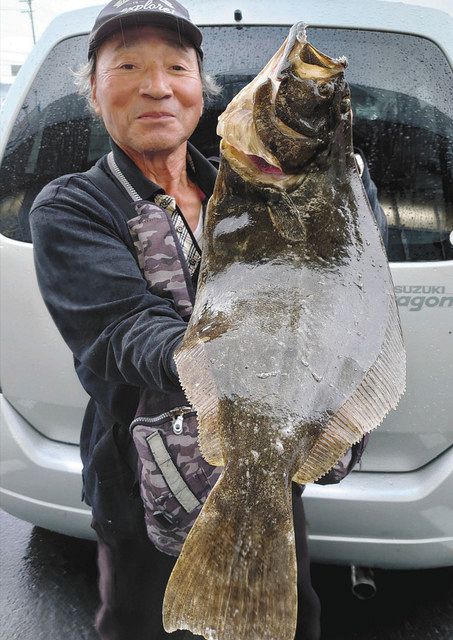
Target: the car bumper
pixel 388 520
pixel 40 479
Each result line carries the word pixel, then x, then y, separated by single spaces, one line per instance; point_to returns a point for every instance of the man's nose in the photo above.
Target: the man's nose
pixel 155 84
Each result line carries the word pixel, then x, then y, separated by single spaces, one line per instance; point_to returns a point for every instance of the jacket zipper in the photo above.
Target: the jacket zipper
pixel 177 415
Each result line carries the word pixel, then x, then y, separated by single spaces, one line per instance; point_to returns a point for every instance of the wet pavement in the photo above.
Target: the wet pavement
pixel 48 591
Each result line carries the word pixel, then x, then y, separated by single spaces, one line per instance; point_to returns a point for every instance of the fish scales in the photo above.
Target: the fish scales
pixel 294 348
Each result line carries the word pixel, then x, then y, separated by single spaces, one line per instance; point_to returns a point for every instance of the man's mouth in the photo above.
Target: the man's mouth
pixel 155 115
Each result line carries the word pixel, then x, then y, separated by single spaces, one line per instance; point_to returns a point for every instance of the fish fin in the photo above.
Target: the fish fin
pixel 379 391
pixel 288 220
pixel 201 392
pixel 236 577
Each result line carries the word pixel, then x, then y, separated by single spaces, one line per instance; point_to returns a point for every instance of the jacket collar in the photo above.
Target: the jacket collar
pixel 199 170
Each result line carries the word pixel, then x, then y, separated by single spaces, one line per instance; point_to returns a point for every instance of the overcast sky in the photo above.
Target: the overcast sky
pixel 15 28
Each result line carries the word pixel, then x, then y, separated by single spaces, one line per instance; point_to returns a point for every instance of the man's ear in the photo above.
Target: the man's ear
pixel 94 102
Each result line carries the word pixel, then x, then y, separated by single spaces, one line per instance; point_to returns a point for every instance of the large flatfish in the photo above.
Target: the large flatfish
pixel 294 348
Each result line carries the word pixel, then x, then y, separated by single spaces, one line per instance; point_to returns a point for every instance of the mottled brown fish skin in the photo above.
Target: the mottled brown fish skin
pixel 257 242
pixel 251 507
pixel 294 349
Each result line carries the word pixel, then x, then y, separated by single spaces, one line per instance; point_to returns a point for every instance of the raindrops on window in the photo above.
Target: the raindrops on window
pixel 402 97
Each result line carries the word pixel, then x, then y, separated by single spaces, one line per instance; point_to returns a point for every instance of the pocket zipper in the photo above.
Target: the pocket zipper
pixel 177 415
pixel 177 424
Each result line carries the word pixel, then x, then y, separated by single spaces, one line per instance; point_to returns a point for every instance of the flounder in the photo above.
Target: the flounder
pixel 294 349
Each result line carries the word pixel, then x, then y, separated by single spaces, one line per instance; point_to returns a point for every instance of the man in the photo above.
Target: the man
pixel 147 86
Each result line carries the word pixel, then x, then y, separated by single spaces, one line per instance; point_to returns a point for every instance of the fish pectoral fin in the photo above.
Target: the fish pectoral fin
pixel 380 390
pixel 288 220
pixel 236 577
pixel 200 390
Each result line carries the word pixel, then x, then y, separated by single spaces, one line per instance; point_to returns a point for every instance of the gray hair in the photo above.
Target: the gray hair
pixel 83 75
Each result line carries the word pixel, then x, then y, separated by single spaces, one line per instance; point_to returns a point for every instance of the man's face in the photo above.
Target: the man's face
pixel 147 89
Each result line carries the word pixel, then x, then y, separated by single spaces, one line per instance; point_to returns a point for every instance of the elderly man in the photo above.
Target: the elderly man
pixel 146 84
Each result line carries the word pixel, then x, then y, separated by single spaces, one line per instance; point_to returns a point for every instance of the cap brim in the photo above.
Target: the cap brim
pixel 186 29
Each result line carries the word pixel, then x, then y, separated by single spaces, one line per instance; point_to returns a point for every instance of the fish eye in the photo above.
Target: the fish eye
pixel 325 89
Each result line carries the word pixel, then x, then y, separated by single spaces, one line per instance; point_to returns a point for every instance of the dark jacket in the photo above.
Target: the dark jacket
pixel 122 335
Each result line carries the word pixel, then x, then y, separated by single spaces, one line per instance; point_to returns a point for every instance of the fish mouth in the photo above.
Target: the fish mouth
pixel 242 138
pixel 249 153
pixel 265 167
pixel 257 169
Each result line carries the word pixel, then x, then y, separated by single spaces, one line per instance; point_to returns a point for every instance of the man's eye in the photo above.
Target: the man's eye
pixel 128 66
pixel 178 67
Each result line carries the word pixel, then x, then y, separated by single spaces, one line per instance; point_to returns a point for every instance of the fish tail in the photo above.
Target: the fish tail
pixel 236 576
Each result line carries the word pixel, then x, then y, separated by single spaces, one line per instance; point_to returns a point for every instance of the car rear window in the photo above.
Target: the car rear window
pixel 402 89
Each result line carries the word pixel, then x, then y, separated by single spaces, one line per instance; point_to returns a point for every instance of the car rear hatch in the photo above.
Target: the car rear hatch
pixel 404 127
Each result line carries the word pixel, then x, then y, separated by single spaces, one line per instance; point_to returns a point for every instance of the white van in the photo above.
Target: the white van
pixel 397 509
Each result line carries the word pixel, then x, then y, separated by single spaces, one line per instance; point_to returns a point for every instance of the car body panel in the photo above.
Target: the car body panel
pixel 36 367
pixel 397 510
pixel 40 479
pixel 421 427
pixel 385 520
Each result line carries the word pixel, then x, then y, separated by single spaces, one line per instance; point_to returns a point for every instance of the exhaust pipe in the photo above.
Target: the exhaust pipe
pixel 362 582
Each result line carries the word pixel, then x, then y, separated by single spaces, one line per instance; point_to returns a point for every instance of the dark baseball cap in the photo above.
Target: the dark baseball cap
pixel 119 14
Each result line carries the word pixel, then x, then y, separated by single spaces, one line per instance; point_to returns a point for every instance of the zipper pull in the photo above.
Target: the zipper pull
pixel 177 424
